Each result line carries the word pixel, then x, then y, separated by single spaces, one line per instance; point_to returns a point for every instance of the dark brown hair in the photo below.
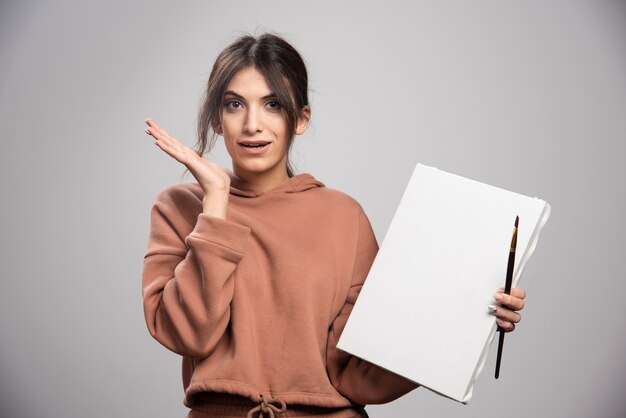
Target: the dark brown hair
pixel 283 69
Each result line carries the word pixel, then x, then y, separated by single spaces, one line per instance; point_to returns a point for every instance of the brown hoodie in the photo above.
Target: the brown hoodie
pixel 255 303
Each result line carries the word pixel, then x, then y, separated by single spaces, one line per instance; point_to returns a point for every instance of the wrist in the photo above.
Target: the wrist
pixel 215 204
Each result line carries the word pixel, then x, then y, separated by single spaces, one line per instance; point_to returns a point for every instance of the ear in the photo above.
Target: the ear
pixel 216 125
pixel 218 129
pixel 303 120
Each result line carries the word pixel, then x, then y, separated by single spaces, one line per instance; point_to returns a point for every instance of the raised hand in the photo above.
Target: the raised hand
pixel 213 179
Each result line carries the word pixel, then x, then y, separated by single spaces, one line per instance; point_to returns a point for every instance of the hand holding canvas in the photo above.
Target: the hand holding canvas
pixel 506 310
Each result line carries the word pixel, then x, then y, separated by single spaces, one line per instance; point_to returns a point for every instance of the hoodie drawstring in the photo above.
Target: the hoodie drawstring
pixel 266 407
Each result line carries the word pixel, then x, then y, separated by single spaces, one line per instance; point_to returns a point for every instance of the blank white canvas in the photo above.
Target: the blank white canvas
pixel 422 312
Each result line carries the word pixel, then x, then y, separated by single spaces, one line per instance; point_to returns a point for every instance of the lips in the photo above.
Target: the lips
pixel 254 147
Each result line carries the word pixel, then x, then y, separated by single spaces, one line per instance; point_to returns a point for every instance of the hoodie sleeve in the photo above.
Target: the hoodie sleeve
pixel 187 280
pixel 358 380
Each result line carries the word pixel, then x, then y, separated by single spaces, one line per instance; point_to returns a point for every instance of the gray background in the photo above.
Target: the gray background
pixel 529 96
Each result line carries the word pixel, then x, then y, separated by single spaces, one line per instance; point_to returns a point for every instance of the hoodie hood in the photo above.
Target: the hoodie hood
pixel 295 184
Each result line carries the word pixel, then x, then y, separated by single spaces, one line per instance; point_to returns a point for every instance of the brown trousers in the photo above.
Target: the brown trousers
pixel 217 405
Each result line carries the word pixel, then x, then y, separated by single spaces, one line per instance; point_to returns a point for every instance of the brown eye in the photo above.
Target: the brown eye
pixel 273 104
pixel 233 104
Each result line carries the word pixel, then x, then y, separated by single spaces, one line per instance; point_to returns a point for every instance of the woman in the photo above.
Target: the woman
pixel 251 275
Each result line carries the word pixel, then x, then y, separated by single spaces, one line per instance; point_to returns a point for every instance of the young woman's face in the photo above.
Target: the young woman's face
pixel 254 128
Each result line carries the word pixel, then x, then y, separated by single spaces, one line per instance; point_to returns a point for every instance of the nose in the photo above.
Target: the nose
pixel 253 122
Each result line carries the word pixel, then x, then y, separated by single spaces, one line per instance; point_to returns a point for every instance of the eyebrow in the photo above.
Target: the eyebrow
pixel 272 95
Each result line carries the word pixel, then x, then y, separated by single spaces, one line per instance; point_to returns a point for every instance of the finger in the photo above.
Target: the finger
pixel 505 314
pixel 165 141
pixel 172 149
pixel 148 122
pixel 510 301
pixel 518 292
pixel 161 134
pixel 505 325
pixel 170 144
pixel 154 128
pixel 158 131
pixel 150 130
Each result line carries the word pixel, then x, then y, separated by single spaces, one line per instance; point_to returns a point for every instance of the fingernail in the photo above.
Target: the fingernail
pixel 147 131
pixel 146 120
pixel 493 308
pixel 499 322
pixel 498 296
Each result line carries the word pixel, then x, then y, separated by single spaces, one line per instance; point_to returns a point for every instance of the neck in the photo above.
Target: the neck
pixel 262 181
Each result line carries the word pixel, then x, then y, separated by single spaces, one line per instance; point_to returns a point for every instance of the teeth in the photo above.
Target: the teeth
pixel 254 145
